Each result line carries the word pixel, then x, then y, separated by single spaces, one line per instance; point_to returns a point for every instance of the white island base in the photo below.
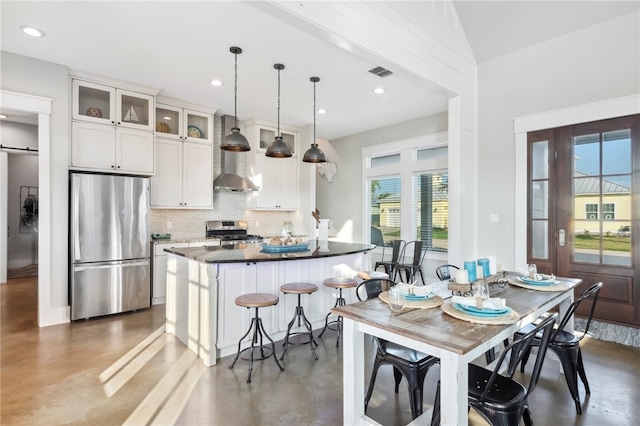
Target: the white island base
pixel 201 310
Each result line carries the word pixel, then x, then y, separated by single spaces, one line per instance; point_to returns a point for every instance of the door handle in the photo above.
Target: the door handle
pixel 561 236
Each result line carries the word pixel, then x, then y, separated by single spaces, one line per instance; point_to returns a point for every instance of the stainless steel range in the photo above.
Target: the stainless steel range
pixel 231 231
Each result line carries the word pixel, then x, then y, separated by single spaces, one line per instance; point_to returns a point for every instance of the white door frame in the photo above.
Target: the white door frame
pixel 42 107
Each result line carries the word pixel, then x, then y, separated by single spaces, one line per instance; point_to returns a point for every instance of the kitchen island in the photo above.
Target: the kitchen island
pixel 203 282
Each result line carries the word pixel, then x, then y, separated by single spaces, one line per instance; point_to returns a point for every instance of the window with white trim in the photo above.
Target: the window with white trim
pixel 406 192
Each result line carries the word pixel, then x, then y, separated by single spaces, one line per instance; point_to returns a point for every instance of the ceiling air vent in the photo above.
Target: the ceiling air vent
pixel 380 72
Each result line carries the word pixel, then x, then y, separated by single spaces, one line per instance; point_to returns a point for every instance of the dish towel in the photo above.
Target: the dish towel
pixel 494 303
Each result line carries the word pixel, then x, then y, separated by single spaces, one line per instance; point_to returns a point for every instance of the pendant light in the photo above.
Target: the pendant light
pixel 278 149
pixel 235 141
pixel 314 154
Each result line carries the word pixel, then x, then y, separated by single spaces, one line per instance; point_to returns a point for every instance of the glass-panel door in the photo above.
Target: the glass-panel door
pixel 584 210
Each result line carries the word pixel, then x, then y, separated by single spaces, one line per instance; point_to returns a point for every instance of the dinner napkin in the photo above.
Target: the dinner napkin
pixel 416 290
pixel 491 303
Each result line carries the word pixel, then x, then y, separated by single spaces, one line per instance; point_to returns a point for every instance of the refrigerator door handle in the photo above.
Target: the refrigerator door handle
pixel 88 267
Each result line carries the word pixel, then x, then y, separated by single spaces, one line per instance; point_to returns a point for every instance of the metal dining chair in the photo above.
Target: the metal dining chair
pixel 411 364
pixel 567 346
pixel 443 272
pixel 501 400
pixel 397 247
pixel 418 250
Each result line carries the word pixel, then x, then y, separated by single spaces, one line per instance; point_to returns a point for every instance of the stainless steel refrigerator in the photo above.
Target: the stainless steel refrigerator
pixel 109 244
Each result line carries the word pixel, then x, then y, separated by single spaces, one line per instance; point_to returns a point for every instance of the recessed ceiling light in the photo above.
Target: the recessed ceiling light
pixel 322 111
pixel 216 83
pixel 33 32
pixel 3 116
pixel 378 90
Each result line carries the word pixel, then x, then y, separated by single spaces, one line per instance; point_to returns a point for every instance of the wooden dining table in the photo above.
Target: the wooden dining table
pixel 455 341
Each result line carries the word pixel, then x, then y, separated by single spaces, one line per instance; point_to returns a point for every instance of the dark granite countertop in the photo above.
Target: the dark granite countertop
pixel 253 252
pixel 185 240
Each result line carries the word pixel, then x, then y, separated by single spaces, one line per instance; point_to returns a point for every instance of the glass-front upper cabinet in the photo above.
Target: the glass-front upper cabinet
pixel 268 135
pixel 184 124
pixel 103 104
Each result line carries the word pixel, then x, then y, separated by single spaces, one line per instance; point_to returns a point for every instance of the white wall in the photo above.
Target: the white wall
pixel 598 63
pixel 30 76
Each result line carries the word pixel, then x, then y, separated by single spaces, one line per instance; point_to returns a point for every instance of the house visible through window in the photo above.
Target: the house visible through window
pixel 609 211
pixel 406 192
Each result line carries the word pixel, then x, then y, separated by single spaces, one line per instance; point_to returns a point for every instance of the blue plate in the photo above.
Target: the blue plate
pixel 481 312
pixel 416 297
pixel 194 132
pixel 268 248
pixel 545 281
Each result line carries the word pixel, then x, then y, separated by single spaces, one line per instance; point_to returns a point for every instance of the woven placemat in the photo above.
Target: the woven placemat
pixel 510 318
pixel 558 286
pixel 432 302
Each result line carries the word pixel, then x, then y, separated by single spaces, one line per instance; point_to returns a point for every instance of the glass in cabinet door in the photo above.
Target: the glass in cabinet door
pixel 197 126
pixel 268 135
pixel 134 109
pixel 93 102
pixel 168 120
pixel 290 140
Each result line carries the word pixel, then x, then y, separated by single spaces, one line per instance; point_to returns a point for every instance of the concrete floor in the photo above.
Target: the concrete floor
pixel 123 369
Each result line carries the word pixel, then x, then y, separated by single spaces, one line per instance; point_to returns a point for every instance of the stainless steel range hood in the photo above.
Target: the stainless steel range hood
pixel 229 179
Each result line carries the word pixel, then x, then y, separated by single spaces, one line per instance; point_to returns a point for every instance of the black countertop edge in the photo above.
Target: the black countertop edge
pixel 249 253
pixel 184 240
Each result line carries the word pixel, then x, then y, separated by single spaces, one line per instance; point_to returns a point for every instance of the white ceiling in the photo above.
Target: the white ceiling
pixel 496 28
pixel 180 46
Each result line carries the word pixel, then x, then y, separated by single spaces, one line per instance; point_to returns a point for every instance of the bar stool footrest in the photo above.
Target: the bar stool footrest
pixel 263 352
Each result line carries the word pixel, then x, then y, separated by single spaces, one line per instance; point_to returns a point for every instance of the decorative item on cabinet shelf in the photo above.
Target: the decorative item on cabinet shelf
pixel 194 132
pixel 131 116
pixel 162 127
pixel 94 112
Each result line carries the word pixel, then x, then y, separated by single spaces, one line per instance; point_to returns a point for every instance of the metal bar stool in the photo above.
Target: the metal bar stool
pixel 257 300
pixel 338 283
pixel 299 289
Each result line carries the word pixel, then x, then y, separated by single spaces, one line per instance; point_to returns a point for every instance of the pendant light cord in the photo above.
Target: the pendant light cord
pixel 278 102
pixel 314 113
pixel 235 93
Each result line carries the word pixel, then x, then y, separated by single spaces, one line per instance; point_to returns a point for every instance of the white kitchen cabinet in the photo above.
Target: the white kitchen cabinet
pixel 174 122
pixel 236 279
pixel 159 278
pixel 111 129
pixel 109 148
pixel 184 175
pixel 278 178
pixel 102 104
